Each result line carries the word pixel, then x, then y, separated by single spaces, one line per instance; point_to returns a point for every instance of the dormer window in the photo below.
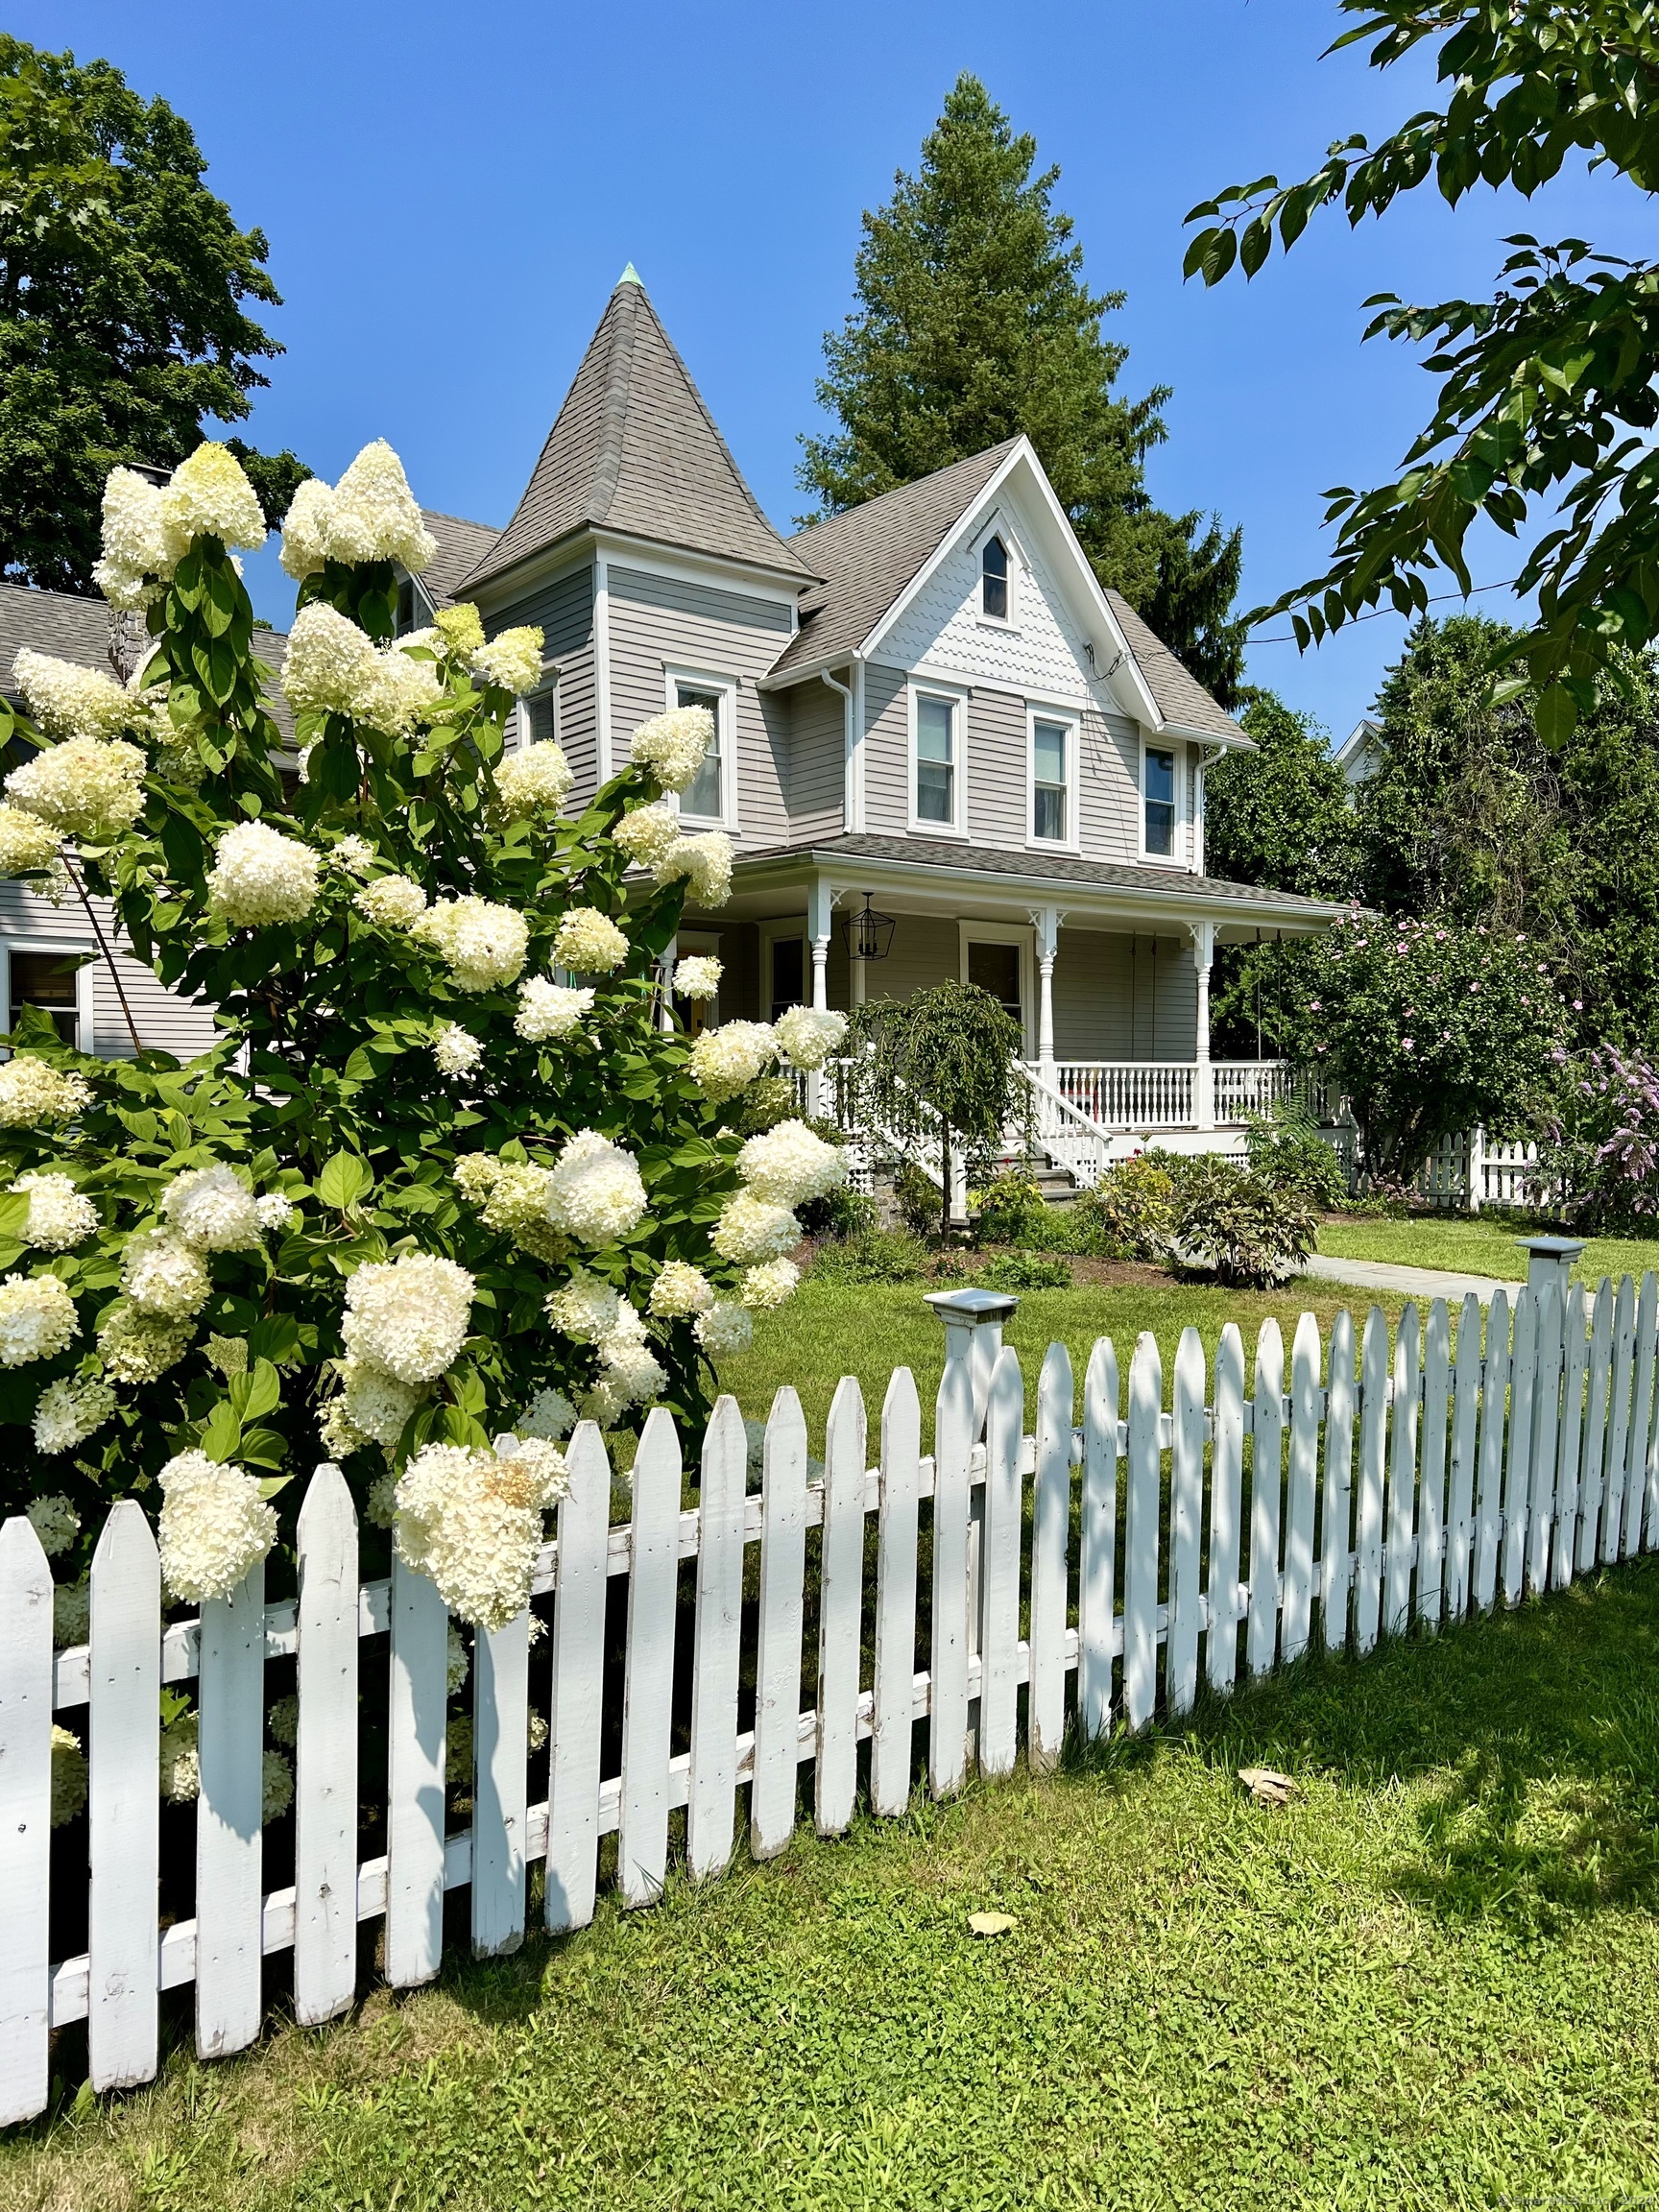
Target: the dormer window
pixel 994 580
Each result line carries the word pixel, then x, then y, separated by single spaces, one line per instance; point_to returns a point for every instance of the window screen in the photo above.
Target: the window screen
pixel 996 967
pixel 1048 788
pixel 701 796
pixel 1160 804
pixel 47 980
pixel 935 759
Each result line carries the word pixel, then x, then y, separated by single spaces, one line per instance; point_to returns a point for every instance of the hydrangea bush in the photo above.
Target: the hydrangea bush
pixel 450 1175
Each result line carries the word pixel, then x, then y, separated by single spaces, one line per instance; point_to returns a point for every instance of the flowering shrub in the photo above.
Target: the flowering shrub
pixel 1601 1161
pixel 427 1199
pixel 1426 1027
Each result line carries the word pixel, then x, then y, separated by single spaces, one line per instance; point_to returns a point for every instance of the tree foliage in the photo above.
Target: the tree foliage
pixel 973 323
pixel 1281 815
pixel 124 293
pixel 1549 392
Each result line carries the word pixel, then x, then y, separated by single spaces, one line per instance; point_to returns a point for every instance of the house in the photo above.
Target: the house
pixel 1359 755
pixel 942 750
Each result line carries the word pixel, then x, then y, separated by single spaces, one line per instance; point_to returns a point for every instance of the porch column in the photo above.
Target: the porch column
pixel 820 900
pixel 666 989
pixel 1203 936
pixel 1045 921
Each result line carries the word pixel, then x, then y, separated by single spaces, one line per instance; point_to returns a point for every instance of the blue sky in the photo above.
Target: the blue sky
pixel 449 196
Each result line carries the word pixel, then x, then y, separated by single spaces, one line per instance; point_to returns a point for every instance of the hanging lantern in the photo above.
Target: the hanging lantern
pixel 869 936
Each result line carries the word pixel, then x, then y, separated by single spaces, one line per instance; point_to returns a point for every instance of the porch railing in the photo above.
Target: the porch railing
pixel 1145 1094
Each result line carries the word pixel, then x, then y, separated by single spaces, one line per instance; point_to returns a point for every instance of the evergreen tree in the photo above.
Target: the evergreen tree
pixel 1281 816
pixel 122 327
pixel 974 323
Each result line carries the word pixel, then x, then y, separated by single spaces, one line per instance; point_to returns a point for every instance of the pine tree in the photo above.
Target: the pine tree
pixel 974 323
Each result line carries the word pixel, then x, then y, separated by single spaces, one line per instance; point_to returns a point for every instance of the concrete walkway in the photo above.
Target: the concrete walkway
pixel 1423 1283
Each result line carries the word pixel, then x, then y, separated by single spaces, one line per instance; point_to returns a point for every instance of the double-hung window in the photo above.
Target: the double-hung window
pixel 1051 781
pixel 937 763
pixel 1157 801
pixel 704 797
pixel 49 983
pixel 538 715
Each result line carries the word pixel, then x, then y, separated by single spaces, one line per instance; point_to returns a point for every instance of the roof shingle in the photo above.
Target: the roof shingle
pixel 1179 696
pixel 462 547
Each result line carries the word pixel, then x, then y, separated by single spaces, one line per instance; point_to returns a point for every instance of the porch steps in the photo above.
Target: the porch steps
pixel 1058 1185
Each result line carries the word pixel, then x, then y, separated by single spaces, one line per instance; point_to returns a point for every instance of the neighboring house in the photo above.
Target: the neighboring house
pixel 926 706
pixel 1359 755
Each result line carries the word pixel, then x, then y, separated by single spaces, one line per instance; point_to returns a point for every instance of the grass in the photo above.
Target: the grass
pixel 1432 1980
pixel 1478 1246
pixel 831 1330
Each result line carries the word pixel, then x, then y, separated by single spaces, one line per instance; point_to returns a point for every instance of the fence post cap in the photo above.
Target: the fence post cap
pixel 969 1308
pixel 1551 1247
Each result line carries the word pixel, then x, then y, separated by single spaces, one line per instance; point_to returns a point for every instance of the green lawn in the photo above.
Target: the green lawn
pixel 1433 1980
pixel 1480 1246
pixel 868 1329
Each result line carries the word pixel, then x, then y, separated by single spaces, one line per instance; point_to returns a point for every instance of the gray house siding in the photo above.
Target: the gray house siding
pixel 817 748
pixel 1110 795
pixel 164 1022
pixel 1122 996
pixel 997 769
pixel 563 610
pixel 660 622
pixel 886 753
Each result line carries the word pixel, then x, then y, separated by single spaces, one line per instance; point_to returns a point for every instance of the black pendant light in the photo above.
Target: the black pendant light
pixel 869 936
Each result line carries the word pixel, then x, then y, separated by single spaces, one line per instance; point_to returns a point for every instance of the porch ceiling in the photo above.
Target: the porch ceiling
pixel 979 882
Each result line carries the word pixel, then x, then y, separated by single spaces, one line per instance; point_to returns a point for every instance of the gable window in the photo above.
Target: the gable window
pixel 937 765
pixel 1158 801
pixel 408 617
pixel 707 798
pixel 1051 781
pixel 994 580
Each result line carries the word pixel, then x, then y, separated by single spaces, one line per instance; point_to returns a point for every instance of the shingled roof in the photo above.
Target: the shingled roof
pixel 635 451
pixel 867 554
pixel 462 547
pixel 1179 696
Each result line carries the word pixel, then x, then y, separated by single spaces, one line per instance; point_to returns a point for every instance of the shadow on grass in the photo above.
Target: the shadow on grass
pixel 1529 1741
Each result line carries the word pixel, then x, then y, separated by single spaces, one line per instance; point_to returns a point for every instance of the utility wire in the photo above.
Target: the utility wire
pixel 1288 637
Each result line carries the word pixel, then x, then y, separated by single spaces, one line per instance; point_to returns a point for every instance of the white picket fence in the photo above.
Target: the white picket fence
pixel 1393 1481
pixel 1464 1173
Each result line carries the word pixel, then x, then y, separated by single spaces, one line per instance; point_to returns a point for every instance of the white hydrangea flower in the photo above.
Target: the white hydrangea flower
pixel 727 1060
pixel 535 777
pixel 375 516
pixel 517 1195
pixel 697 976
pixel 476 1174
pixel 482 945
pixel 596 1193
pixel 178 1774
pixel 33 1091
pixel 69 1411
pixel 164 1277
pixel 282 1720
pixel 671 746
pixel 72 1612
pixel 27 843
pixel 139 1347
pixel 377 1403
pixel 632 1369
pixel 585 1308
pixel 213 1209
pixel 459 628
pixel 770 1285
pixel 456 1050
pixel 214 1527
pixel 752 1229
pixel 790 1164
pixel 58 1216
pixel 69 1777
pixel 57 886
pixel 551 1009
pixel 306 528
pixel 536 1735
pixel 706 864
pixel 647 833
pixel 511 660
pixel 726 1328
pixel 351 854
pixel 409 1315
pixel 37 1319
pixel 589 942
pixel 470 1521
pixel 209 496
pixel 331 664
pixel 391 902
pixel 549 1414
pixel 56 1523
pixel 84 788
pixel 227 1354
pixel 399 692
pixel 809 1034
pixel 139 543
pixel 69 701
pixel 260 876
pixel 276 1786
pixel 276 1214
pixel 458 1663
pixel 681 1289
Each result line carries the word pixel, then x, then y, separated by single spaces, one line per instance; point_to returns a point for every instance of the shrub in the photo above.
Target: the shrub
pixel 1130 1213
pixel 840 1213
pixel 1603 1157
pixel 874 1255
pixel 1229 1224
pixel 1007 1211
pixel 1288 1152
pixel 916 1198
pixel 1026 1270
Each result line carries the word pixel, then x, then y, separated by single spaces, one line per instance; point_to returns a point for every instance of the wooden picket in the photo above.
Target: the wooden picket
pixel 1418 1481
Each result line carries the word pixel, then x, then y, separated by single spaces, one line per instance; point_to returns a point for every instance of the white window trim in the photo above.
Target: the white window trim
pixel 1007 933
pixel 957 694
pixel 550 683
pixel 1072 722
pixel 726 686
pixel 997 527
pixel 60 948
pixel 1174 857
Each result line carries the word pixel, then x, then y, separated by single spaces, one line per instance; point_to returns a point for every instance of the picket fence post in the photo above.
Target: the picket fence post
pixel 1097 1564
pixel 775 1792
pixel 230 1818
pixel 1226 1496
pixel 947 1656
pixel 25 1820
pixel 124 1828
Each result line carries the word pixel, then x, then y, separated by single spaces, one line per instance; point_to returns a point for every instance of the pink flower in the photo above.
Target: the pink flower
pixel 1577 1005
pixel 1405 1043
pixel 1314 1006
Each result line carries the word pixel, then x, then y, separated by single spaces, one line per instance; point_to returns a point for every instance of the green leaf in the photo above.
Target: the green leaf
pixel 1556 716
pixel 222 1437
pixel 264 1391
pixel 14 1215
pixel 263 1448
pixel 343 1181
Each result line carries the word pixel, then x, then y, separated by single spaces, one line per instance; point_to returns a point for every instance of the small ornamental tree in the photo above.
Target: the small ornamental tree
pixel 951 1046
pixel 443 1182
pixel 1426 1028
